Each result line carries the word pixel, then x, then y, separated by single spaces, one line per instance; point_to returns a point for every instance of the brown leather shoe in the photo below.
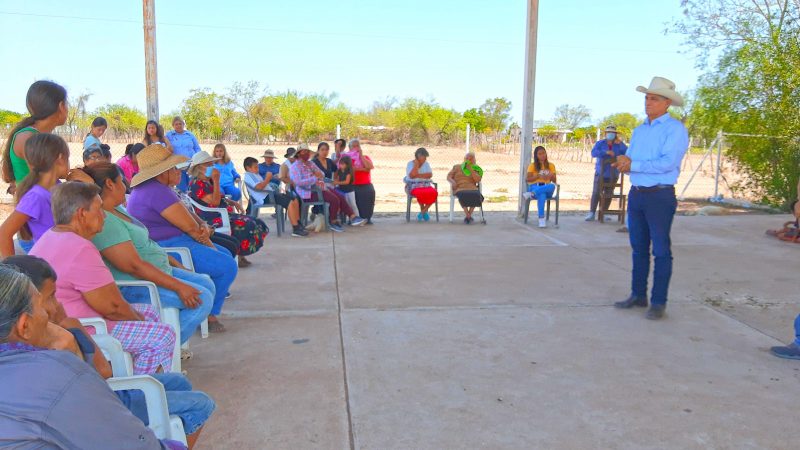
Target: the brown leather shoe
pixel 632 301
pixel 655 312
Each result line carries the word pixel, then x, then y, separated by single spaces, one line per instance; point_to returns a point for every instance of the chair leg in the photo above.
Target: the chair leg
pixel 279 219
pixel 452 206
pixel 436 206
pixel 547 210
pixel 527 210
pixel 557 202
pixel 408 208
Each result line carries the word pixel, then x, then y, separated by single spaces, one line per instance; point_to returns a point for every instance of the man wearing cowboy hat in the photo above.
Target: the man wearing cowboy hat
pixel 605 150
pixel 269 169
pixel 653 162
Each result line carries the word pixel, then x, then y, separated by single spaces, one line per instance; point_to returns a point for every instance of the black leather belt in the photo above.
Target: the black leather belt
pixel 655 188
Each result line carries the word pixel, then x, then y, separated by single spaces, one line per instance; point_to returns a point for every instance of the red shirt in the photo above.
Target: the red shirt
pixel 362 177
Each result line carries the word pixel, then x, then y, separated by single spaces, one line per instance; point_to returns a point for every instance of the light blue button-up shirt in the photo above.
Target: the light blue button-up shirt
pixel 184 144
pixel 656 150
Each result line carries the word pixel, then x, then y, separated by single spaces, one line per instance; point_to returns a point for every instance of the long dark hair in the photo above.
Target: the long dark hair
pixel 43 100
pixel 536 162
pixel 102 171
pixel 159 132
pixel 41 151
pixel 348 162
pixel 98 122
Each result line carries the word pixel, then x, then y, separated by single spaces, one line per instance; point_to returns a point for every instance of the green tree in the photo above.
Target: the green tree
pixel 625 123
pixel 497 112
pixel 476 120
pixel 202 112
pixel 571 117
pixel 77 120
pixel 125 121
pixel 9 118
pixel 249 99
pixel 753 89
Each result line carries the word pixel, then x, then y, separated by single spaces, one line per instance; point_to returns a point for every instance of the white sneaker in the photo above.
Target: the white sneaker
pixel 589 217
pixel 542 223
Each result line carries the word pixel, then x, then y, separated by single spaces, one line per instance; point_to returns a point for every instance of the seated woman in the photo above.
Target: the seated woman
pixel 228 176
pixel 128 162
pixel 418 182
pixel 154 203
pixel 541 177
pixel 85 286
pixel 464 179
pixel 260 189
pixel 193 407
pixel 48 158
pixel 130 254
pixel 205 190
pixel 39 357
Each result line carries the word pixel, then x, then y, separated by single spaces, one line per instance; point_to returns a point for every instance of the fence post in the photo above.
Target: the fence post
pixel 720 138
pixel 467 138
pixel 531 30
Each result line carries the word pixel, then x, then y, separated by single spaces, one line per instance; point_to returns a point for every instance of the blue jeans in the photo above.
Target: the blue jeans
pixel 650 217
pixel 541 194
pixel 183 186
pixel 193 407
pixel 232 190
pixel 215 262
pixel 190 318
pixel 797 330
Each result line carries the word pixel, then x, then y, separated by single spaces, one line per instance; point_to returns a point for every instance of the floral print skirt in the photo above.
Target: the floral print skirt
pixel 249 231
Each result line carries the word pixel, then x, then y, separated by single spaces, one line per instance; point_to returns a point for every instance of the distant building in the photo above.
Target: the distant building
pixel 547 129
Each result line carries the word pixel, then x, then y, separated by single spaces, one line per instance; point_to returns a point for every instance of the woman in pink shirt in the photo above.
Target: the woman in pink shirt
pixel 85 286
pixel 128 162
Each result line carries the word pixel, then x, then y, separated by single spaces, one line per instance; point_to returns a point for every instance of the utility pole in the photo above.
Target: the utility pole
pixel 150 59
pixel 531 28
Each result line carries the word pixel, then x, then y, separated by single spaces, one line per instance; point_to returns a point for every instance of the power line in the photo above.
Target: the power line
pixel 323 33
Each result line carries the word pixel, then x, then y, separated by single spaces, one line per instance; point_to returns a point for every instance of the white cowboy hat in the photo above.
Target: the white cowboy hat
pixel 663 87
pixel 201 157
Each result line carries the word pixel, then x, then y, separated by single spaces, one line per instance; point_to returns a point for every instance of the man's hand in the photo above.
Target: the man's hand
pixel 12 188
pixel 215 175
pixel 610 153
pixel 188 295
pixel 623 164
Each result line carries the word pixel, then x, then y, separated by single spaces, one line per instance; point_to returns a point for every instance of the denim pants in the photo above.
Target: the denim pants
pixel 183 185
pixel 541 193
pixel 190 318
pixel 232 190
pixel 797 330
pixel 215 262
pixel 26 246
pixel 650 217
pixel 193 407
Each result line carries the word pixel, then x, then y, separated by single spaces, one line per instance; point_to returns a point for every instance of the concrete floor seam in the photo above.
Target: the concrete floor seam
pixel 736 320
pixel 350 434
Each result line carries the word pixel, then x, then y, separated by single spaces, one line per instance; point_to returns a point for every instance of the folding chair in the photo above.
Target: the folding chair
pixel 409 198
pixel 453 203
pixel 223 213
pixel 556 196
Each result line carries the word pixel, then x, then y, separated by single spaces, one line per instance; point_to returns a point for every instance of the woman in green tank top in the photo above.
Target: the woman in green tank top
pixel 47 104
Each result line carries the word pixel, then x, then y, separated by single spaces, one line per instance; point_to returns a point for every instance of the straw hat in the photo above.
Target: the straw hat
pixel 154 160
pixel 611 129
pixel 201 157
pixel 663 87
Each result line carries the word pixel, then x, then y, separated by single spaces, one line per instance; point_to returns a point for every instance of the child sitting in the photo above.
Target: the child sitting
pixel 260 189
pixel 343 181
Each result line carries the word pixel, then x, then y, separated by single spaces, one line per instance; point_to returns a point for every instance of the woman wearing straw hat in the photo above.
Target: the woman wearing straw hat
pixel 157 206
pixel 206 190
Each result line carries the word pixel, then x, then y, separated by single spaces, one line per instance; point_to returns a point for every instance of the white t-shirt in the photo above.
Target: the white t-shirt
pixel 417 182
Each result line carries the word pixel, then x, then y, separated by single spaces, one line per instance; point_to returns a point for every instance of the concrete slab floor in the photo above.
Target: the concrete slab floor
pixel 503 336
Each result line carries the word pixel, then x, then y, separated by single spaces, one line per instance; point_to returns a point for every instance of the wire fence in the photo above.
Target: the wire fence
pixel 500 161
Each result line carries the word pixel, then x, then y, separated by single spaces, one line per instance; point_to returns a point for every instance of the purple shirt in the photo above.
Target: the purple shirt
pixel 36 205
pixel 147 201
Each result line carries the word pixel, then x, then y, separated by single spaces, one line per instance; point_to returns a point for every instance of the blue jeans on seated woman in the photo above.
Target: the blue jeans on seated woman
pixel 215 262
pixel 541 193
pixel 190 318
pixel 193 407
pixel 232 190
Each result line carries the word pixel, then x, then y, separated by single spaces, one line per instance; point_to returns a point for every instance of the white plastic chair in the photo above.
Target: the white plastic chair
pixel 169 316
pixel 223 213
pixel 183 255
pixel 163 425
pixel 453 202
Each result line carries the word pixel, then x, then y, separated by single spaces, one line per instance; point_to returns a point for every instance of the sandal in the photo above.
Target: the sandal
pixel 215 327
pixel 244 262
